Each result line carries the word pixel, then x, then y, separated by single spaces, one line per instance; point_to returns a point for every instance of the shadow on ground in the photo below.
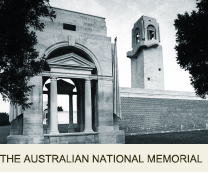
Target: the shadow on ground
pixel 189 137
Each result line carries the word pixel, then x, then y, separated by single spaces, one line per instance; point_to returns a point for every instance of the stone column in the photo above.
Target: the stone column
pixel 71 127
pixel 88 107
pixel 53 107
pixel 49 113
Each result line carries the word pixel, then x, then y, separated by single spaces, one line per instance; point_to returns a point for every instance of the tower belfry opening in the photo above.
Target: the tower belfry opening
pixel 151 32
pixel 137 36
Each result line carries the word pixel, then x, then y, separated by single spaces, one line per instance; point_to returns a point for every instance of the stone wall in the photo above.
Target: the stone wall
pixel 156 111
pixel 91 32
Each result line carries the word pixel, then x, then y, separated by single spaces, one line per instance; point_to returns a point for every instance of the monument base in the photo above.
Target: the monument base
pixel 25 139
pixel 71 138
pixel 114 137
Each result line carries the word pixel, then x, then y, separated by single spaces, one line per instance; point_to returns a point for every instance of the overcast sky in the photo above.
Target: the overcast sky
pixel 120 17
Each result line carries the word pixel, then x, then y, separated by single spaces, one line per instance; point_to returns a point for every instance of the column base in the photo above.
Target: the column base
pixel 53 132
pixel 72 138
pixel 47 130
pixel 88 131
pixel 71 128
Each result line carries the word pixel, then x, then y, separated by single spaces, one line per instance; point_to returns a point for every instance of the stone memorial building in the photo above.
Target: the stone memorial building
pixel 77 48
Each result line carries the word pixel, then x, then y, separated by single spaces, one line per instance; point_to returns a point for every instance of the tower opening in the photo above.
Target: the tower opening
pixel 151 31
pixel 137 35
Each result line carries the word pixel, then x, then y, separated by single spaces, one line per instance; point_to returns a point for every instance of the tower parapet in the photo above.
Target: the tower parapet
pixel 144 34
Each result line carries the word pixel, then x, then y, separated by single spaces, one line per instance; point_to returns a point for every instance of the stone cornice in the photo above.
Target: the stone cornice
pixel 143 44
pixel 73 75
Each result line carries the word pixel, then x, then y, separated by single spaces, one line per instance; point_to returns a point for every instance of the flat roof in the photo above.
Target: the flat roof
pixel 78 12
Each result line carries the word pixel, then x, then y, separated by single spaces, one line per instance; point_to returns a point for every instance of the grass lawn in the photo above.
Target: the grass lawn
pixel 189 137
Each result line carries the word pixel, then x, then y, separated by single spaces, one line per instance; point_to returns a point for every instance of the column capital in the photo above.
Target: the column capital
pixel 88 79
pixel 53 78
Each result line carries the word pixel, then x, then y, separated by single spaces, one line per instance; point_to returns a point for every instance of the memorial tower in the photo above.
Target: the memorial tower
pixel 146 56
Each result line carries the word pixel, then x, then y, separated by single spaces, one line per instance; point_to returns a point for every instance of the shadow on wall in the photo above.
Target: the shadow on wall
pixel 4 132
pixel 4 119
pixel 4 127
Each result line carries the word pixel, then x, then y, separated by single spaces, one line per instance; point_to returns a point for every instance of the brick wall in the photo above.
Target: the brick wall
pixel 155 115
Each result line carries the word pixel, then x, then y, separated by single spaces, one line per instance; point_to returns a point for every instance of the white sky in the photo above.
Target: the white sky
pixel 120 17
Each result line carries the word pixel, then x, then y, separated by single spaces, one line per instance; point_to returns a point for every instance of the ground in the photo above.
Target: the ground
pixel 189 137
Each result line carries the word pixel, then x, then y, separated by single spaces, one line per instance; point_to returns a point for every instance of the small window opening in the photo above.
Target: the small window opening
pixel 137 38
pixel 137 35
pixel 69 27
pixel 151 31
pixel 148 79
pixel 159 69
pixel 151 35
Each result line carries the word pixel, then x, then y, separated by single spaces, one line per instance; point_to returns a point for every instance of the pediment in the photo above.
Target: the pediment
pixel 70 60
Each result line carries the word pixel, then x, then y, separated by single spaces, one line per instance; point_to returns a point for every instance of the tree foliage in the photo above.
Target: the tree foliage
pixel 18 58
pixel 192 46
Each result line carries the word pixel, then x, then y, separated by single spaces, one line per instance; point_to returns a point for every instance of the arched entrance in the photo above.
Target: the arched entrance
pixel 74 64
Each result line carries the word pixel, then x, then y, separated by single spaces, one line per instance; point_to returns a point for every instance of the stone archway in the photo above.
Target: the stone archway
pixel 80 47
pixel 82 71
